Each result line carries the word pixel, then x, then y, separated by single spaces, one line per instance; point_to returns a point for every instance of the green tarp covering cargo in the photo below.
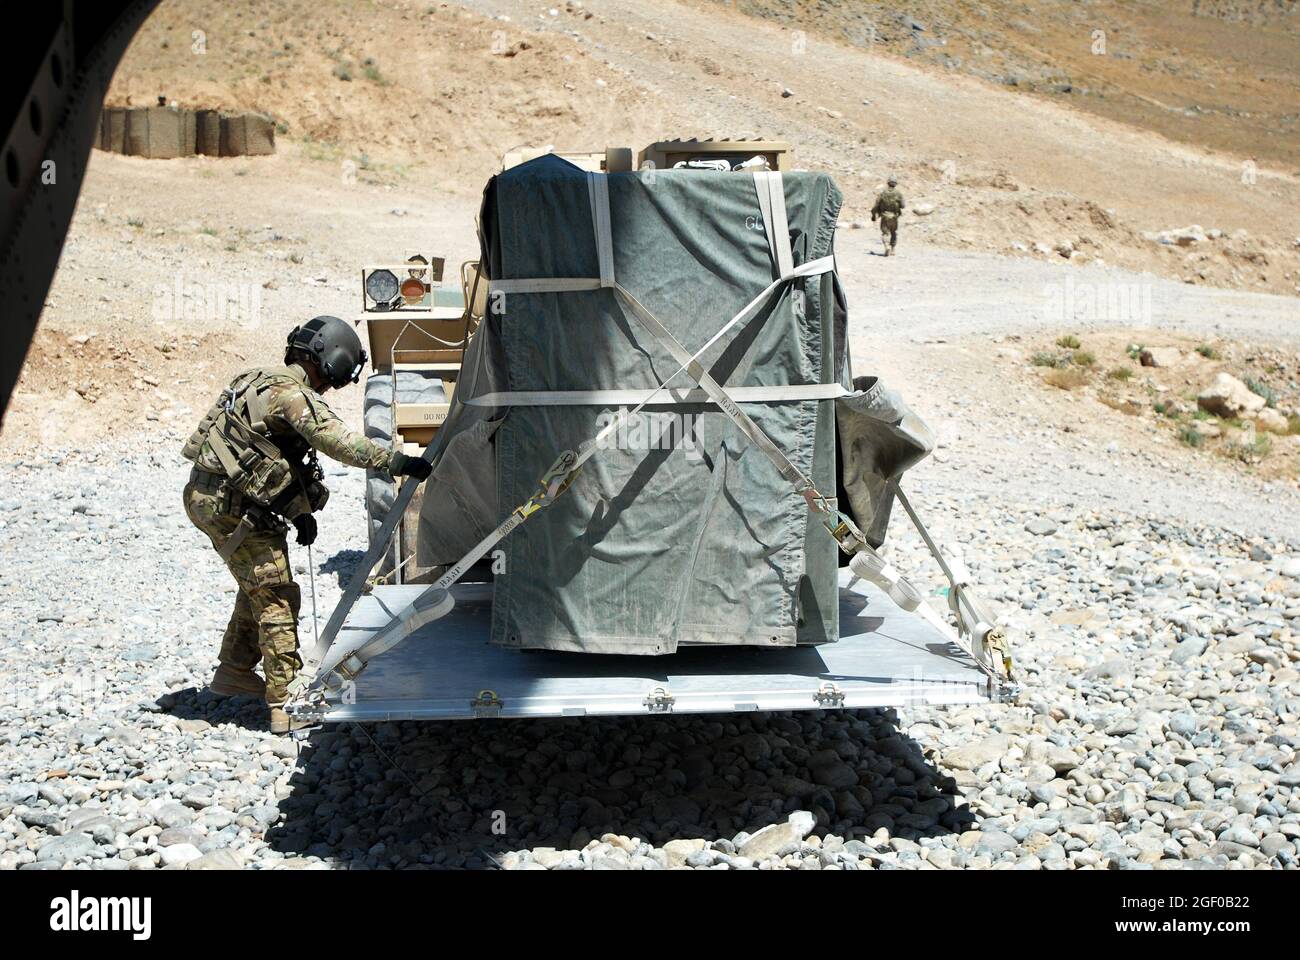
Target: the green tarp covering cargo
pixel 678 530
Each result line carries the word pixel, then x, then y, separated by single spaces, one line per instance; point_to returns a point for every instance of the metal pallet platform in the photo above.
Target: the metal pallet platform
pixel 885 658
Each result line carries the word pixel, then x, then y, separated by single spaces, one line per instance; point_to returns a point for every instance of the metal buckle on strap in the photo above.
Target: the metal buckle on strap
pixel 554 482
pixel 559 475
pixel 846 533
pixel 996 640
pixel 839 524
pixel 351 667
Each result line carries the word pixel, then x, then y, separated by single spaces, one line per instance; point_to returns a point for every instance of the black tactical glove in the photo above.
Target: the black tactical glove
pixel 305 524
pixel 404 466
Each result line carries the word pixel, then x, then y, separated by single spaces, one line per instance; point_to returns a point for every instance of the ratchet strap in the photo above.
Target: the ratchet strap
pixel 675 396
pixel 436 601
pixel 986 641
pixel 976 633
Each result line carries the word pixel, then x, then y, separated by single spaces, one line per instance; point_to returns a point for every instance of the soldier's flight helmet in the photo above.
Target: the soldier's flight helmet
pixel 332 345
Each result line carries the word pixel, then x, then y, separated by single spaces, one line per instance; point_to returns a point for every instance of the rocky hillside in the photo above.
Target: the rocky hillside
pixel 437 93
pixel 1231 400
pixel 1218 73
pixel 429 86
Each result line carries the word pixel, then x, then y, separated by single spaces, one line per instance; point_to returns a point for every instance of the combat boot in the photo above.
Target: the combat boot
pixel 229 682
pixel 281 722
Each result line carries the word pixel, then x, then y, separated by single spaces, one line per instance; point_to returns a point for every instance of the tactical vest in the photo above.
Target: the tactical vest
pixel 263 468
pixel 890 203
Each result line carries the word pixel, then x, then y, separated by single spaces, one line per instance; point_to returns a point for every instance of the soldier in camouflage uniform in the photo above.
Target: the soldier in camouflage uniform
pixel 283 406
pixel 888 208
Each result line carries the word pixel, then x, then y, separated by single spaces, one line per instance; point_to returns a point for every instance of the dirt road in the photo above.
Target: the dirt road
pixel 929 291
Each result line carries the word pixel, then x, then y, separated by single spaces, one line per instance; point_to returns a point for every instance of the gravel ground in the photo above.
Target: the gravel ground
pixel 1157 729
pixel 931 291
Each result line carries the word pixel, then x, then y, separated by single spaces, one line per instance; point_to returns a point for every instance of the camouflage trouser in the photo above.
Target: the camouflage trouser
pixel 889 229
pixel 265 622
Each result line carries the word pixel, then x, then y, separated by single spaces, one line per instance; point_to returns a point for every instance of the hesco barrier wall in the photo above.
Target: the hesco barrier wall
pixel 166 132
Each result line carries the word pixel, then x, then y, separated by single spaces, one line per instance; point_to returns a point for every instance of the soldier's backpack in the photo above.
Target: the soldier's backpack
pixel 255 465
pixel 890 203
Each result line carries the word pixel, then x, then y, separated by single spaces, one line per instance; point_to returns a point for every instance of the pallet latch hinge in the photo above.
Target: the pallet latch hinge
pixel 486 704
pixel 659 700
pixel 829 695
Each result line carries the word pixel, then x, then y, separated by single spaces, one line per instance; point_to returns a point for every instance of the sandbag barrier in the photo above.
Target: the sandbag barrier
pixel 163 133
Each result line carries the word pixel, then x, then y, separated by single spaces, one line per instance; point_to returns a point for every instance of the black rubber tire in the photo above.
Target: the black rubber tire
pixel 380 490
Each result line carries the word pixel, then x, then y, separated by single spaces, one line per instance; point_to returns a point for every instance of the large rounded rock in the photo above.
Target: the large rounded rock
pixel 972 756
pixel 1229 397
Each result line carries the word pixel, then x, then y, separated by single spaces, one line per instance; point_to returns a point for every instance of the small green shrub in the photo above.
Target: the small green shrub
pixel 370 68
pixel 1261 389
pixel 1068 342
pixel 1191 436
pixel 1042 359
pixel 1250 452
pixel 1066 379
pixel 1207 351
pixel 1082 358
pixel 1120 373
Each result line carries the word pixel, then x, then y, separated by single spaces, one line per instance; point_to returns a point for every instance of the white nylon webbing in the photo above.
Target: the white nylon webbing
pixel 771 203
pixel 598 194
pixel 543 285
pixel 719 396
pixel 578 284
pixel 674 396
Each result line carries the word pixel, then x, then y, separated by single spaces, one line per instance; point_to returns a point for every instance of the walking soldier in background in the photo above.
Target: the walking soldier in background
pixel 889 207
pixel 255 472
